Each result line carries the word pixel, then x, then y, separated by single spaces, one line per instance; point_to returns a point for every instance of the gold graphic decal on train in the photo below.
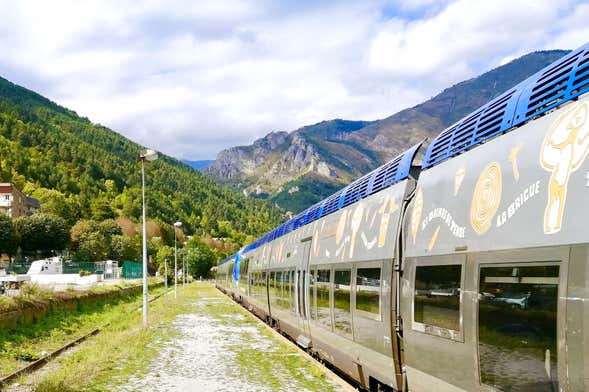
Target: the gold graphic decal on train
pixel 486 198
pixel 432 242
pixel 340 240
pixel 416 213
pixel 388 208
pixel 458 178
pixel 513 159
pixel 356 222
pixel 564 149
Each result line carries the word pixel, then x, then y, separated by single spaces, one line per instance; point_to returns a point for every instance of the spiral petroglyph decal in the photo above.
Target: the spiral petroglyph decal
pixel 486 198
pixel 416 213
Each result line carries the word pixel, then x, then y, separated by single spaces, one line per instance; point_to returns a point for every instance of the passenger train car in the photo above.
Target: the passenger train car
pixel 467 273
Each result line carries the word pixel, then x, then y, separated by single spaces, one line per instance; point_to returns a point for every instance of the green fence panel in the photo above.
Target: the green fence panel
pixel 18 268
pixel 132 270
pixel 76 267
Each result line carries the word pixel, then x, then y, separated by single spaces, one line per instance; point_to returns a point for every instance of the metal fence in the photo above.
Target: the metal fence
pixel 109 270
pixel 18 268
pixel 132 270
pixel 70 267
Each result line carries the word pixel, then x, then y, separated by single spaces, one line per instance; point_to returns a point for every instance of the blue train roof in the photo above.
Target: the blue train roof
pixel 558 83
pixel 382 177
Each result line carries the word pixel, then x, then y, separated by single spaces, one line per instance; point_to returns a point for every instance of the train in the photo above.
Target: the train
pixel 467 271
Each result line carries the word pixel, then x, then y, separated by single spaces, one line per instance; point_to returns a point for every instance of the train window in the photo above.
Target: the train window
pixel 437 299
pixel 292 292
pixel 243 267
pixel 263 284
pixel 517 327
pixel 280 300
pixel 271 286
pixel 341 302
pixel 368 291
pixel 323 314
pixel 312 303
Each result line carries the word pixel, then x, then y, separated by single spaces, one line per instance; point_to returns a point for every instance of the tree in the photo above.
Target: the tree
pixel 55 202
pixel 81 231
pixel 199 258
pixel 42 232
pixel 101 209
pixel 7 244
pixel 95 247
pixel 123 248
pixel 110 228
pixel 165 254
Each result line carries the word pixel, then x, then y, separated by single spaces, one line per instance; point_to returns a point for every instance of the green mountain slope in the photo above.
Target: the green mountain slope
pixel 297 168
pixel 86 170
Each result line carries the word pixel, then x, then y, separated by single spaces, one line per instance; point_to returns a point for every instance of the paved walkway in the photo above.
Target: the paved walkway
pixel 221 348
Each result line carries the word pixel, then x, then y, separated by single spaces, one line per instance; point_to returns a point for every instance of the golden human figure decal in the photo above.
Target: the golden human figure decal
pixel 564 149
pixel 486 198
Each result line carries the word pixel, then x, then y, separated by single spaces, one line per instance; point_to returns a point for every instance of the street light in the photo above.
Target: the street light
pixel 166 272
pixel 177 224
pixel 184 265
pixel 147 155
pixel 189 237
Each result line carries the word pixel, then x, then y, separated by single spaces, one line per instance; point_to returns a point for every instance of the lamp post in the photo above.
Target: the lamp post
pixel 184 266
pixel 166 272
pixel 147 155
pixel 177 224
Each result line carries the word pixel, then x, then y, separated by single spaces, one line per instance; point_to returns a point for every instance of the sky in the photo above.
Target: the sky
pixel 190 78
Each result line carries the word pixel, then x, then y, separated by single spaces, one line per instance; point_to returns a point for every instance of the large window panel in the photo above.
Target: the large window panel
pixel 368 288
pixel 518 327
pixel 281 294
pixel 323 284
pixel 312 298
pixel 292 292
pixel 341 302
pixel 437 297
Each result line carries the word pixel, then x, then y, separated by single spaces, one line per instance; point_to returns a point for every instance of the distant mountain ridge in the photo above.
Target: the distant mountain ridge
pixel 198 165
pixel 297 168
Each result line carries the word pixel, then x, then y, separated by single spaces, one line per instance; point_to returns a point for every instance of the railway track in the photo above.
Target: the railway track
pixel 39 363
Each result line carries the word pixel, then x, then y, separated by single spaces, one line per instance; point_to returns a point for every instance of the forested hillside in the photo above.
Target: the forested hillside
pixel 80 170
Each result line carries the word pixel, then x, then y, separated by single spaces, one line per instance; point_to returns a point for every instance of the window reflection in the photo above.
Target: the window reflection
pixel 323 284
pixel 517 328
pixel 313 302
pixel 437 296
pixel 341 302
pixel 368 290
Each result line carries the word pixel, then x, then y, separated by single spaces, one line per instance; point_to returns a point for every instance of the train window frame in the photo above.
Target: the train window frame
pixel 343 267
pixel 559 255
pixel 329 285
pixel 434 330
pixel 360 312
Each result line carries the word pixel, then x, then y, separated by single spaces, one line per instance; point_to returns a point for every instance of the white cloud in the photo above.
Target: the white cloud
pixel 191 78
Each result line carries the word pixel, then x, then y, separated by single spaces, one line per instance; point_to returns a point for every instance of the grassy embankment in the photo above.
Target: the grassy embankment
pixel 29 342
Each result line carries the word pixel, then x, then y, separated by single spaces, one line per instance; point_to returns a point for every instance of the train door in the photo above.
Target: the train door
pixel 302 282
pixel 520 297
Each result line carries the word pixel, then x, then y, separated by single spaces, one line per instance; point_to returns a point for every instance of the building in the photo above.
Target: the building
pixel 13 203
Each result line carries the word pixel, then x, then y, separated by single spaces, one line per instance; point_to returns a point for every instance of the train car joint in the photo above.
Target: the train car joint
pixel 304 341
